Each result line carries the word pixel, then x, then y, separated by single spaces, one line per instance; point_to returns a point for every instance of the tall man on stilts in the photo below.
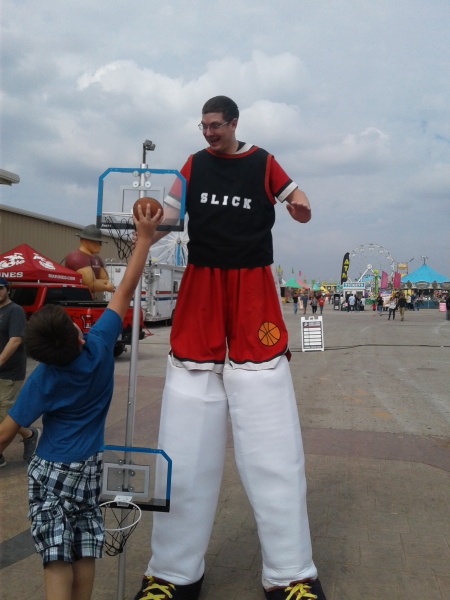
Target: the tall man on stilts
pixel 228 305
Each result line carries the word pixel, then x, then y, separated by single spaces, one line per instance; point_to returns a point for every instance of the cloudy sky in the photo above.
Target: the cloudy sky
pixel 351 96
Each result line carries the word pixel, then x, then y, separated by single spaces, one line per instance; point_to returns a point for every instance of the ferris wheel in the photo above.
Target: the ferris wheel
pixel 171 249
pixel 368 258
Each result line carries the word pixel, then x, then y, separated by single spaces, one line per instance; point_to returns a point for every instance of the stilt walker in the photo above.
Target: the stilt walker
pixel 229 355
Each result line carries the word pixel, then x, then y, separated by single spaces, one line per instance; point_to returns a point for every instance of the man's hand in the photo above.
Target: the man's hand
pixel 298 206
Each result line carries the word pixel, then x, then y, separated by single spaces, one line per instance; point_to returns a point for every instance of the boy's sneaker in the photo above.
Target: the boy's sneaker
pixel 29 444
pixel 297 590
pixel 3 462
pixel 154 588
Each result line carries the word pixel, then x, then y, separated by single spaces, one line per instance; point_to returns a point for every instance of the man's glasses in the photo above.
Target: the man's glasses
pixel 212 127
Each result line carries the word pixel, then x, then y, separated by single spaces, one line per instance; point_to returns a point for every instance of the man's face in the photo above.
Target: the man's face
pixel 221 139
pixel 4 296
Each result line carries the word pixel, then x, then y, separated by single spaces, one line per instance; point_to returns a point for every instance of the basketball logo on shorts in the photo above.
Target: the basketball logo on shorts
pixel 269 334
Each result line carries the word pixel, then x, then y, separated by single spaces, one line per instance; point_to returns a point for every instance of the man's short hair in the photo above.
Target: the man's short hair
pixel 50 336
pixel 222 104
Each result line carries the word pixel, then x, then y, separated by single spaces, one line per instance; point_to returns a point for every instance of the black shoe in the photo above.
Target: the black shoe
pixel 297 590
pixel 155 588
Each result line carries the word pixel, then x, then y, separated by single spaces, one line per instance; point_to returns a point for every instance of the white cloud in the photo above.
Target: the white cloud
pixel 360 153
pixel 432 183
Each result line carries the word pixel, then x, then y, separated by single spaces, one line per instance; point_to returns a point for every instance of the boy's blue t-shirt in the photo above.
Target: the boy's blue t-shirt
pixel 73 400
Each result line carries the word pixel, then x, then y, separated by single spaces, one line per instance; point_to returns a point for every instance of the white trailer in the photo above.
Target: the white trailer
pixel 160 285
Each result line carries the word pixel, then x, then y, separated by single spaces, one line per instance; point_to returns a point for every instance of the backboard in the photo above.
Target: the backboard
pixel 118 190
pixel 132 472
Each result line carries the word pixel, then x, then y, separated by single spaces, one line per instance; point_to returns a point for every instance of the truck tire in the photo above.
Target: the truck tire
pixel 118 349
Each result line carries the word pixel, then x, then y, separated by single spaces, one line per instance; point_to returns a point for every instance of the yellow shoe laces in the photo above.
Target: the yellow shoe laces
pixel 154 586
pixel 298 591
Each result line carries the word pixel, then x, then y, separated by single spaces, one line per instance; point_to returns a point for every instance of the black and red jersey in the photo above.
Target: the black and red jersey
pixel 230 202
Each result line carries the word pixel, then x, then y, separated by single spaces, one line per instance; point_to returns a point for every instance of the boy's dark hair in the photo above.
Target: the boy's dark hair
pixel 222 104
pixel 50 336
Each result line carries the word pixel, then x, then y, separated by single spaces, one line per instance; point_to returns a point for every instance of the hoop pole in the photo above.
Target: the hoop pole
pixel 132 384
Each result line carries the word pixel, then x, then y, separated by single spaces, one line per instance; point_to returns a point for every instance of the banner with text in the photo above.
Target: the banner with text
pixel 345 266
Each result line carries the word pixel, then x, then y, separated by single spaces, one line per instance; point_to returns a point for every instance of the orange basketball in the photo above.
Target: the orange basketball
pixel 269 334
pixel 142 202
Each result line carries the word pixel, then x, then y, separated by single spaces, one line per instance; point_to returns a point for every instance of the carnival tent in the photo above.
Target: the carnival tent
pixel 25 264
pixel 292 283
pixel 424 274
pixel 300 282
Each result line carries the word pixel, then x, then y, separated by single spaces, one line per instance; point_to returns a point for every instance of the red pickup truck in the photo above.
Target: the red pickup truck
pixel 77 301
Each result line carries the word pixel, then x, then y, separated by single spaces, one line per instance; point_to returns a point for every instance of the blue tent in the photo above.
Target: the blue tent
pixel 426 274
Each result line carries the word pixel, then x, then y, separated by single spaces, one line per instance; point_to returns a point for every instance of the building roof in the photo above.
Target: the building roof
pixel 8 178
pixel 425 273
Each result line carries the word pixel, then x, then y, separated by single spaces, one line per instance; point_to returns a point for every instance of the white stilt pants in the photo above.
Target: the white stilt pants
pixel 269 457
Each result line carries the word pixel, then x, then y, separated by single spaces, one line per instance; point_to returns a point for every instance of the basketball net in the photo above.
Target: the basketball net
pixel 120 520
pixel 122 235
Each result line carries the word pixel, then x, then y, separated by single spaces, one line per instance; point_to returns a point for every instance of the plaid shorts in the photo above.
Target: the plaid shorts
pixel 66 522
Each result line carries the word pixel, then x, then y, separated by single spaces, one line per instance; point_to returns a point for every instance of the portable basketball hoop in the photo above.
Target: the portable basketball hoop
pixel 120 518
pixel 121 235
pixel 118 190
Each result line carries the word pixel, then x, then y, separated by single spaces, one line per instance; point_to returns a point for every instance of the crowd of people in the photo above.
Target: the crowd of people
pixel 315 299
pixel 381 303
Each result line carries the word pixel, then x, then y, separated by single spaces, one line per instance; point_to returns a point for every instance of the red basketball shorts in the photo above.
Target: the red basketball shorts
pixel 228 310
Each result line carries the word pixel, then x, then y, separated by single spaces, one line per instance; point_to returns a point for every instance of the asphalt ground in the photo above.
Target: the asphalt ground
pixel 374 408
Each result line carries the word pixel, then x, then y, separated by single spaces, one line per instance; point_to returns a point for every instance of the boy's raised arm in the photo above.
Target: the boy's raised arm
pixel 145 228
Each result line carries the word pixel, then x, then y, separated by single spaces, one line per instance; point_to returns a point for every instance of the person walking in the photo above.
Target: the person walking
pixel 314 303
pixel 401 306
pixel 392 306
pixel 321 301
pixel 304 302
pixel 380 304
pixel 447 306
pixel 13 364
pixel 351 303
pixel 232 190
pixel 295 300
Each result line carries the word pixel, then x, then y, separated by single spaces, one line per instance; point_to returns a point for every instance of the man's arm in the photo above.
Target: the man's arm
pixel 8 431
pixel 9 349
pixel 145 228
pixel 298 206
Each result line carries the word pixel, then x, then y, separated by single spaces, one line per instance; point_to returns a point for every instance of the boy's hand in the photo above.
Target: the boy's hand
pixel 146 224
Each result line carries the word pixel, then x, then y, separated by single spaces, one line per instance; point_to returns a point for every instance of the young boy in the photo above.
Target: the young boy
pixel 72 390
